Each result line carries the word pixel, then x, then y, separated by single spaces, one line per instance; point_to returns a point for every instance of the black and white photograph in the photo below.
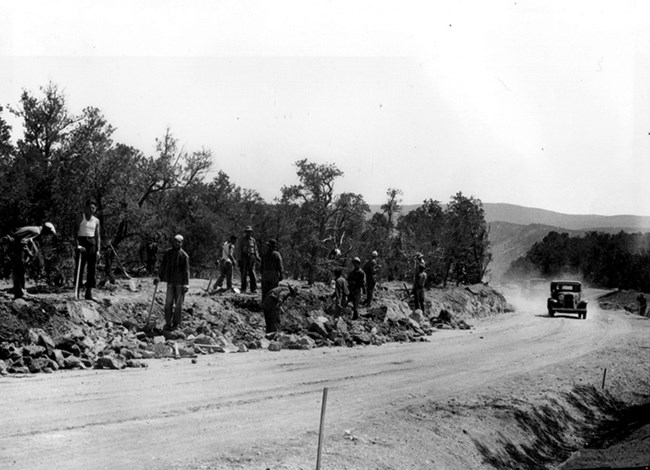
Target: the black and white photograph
pixel 331 235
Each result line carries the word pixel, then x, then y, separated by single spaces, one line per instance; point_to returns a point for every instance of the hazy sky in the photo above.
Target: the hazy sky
pixel 538 103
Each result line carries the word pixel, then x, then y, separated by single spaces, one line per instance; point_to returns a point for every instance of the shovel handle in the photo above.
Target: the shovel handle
pixel 118 261
pixel 77 251
pixel 153 300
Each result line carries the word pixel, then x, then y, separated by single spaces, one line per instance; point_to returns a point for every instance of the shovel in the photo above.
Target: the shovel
pixel 153 300
pixel 207 289
pixel 132 286
pixel 78 250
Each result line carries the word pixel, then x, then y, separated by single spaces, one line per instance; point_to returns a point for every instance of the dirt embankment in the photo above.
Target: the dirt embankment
pixel 50 330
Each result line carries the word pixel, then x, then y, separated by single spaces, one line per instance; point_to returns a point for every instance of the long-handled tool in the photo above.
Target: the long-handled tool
pixel 132 285
pixel 207 289
pixel 79 250
pixel 153 301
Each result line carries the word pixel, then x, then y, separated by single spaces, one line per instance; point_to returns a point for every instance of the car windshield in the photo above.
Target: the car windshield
pixel 567 287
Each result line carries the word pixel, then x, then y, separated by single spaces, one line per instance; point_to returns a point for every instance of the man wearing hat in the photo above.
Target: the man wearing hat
pixel 175 271
pixel 247 255
pixel 418 287
pixel 357 285
pixel 23 250
pixel 371 268
pixel 271 267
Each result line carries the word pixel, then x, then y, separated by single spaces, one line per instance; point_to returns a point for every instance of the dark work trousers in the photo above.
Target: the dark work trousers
pixel 355 296
pixel 370 290
pixel 248 270
pixel 267 286
pixel 89 257
pixel 271 314
pixel 419 299
pixel 225 272
pixel 18 268
pixel 174 305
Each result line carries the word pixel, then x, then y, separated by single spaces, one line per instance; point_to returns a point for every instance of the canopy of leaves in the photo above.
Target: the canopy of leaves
pixel 605 260
pixel 64 157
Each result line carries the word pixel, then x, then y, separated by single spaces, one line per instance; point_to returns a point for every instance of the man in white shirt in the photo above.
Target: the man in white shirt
pixel 226 263
pixel 89 244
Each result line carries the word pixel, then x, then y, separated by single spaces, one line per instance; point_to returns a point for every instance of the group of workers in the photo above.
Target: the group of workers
pixel 174 270
pixel 23 248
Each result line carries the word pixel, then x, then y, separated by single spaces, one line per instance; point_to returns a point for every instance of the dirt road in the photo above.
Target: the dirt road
pixel 246 410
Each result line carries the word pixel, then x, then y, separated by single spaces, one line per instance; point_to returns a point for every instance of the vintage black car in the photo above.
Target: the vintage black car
pixel 566 297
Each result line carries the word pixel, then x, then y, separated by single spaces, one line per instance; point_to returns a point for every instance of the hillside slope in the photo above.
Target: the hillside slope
pixel 515 214
pixel 510 241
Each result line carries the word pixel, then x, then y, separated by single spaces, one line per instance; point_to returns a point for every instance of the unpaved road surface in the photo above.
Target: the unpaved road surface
pixel 261 409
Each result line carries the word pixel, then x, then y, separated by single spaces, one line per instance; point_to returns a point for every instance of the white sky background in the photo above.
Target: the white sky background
pixel 538 103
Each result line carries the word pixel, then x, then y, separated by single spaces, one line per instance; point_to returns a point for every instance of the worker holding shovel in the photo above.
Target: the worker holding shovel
pixel 175 271
pixel 89 244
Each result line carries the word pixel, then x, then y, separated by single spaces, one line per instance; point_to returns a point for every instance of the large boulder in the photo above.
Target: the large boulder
pixel 415 326
pixel 305 342
pixel 58 357
pixel 33 350
pixel 162 350
pixel 40 337
pixel 84 312
pixel 319 326
pixel 342 327
pixel 418 316
pixel 6 350
pixel 73 362
pixel 14 369
pixel 116 362
pixel 39 364
pixel 225 344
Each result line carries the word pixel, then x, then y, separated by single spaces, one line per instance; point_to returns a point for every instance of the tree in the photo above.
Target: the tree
pixel 422 231
pixel 46 125
pixel 467 245
pixel 172 168
pixel 392 206
pixel 6 147
pixel 323 219
pixel 7 221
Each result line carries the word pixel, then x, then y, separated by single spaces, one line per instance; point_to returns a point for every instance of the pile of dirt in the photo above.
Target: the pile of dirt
pixel 50 330
pixel 620 300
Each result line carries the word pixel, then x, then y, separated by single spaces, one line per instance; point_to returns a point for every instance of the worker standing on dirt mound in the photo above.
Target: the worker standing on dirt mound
pixel 357 286
pixel 418 287
pixel 271 267
pixel 88 245
pixel 23 247
pixel 271 307
pixel 226 263
pixel 248 255
pixel 175 271
pixel 371 269
pixel 341 293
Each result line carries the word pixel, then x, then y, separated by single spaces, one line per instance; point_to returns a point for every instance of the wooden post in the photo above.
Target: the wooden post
pixel 604 376
pixel 322 426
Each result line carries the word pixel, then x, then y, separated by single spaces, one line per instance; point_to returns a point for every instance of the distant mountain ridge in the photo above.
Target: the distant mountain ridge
pixel 512 213
pixel 528 215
